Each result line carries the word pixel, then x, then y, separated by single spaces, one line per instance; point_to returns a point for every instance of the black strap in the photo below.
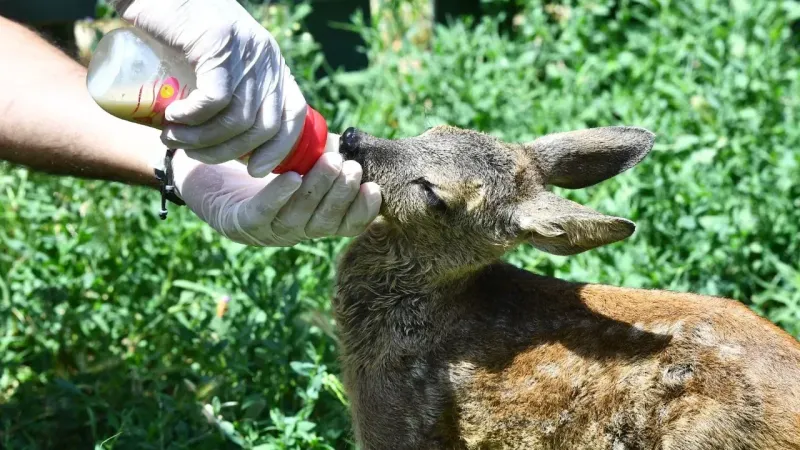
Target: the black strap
pixel 166 180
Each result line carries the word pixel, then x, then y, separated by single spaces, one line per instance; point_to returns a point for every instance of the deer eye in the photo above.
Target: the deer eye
pixel 431 197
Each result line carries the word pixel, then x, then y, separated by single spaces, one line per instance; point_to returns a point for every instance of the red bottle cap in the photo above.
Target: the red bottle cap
pixel 309 147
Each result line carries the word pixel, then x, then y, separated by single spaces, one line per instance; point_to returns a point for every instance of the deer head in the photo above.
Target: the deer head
pixel 459 192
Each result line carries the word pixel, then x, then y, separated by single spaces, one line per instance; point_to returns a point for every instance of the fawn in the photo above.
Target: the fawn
pixel 444 346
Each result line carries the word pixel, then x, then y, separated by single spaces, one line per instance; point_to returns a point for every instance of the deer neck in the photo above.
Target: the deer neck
pixel 392 288
pixel 391 260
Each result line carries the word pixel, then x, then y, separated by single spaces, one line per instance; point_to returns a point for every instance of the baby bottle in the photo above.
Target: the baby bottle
pixel 134 77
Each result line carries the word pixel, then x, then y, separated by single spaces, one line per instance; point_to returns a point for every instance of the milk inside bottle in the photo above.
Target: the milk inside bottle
pixel 135 78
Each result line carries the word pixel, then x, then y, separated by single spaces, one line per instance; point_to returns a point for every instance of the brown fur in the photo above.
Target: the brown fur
pixel 446 347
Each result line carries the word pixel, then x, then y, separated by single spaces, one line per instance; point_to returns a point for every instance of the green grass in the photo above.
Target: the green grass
pixel 108 334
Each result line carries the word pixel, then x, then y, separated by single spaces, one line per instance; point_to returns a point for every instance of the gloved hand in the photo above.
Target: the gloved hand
pixel 246 97
pixel 279 210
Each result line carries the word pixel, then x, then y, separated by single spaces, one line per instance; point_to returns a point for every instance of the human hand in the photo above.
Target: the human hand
pixel 246 97
pixel 279 210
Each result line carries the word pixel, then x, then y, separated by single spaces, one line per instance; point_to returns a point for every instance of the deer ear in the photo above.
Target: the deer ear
pixel 562 227
pixel 578 159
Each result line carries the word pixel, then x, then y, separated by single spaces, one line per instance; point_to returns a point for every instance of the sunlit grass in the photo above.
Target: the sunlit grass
pixel 109 333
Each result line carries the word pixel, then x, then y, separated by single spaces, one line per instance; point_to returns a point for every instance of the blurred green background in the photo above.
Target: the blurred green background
pixel 108 332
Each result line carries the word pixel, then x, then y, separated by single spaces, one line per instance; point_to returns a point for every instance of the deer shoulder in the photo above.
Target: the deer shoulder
pixel 554 364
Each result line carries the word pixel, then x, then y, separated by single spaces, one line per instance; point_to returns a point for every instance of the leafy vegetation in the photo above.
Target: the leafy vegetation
pixel 108 329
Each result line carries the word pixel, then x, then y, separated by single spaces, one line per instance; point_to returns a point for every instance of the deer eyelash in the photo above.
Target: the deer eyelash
pixel 433 199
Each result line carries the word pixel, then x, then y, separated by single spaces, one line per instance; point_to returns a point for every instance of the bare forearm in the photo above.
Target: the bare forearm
pixel 49 122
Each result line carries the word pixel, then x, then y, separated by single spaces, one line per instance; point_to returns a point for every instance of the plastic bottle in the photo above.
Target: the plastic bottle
pixel 134 77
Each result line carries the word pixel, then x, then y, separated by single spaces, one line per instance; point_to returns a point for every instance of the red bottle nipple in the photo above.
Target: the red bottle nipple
pixel 309 147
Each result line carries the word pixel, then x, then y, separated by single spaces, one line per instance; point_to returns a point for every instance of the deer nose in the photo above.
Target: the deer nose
pixel 349 143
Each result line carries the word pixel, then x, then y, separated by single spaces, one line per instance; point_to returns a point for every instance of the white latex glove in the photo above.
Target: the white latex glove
pixel 246 98
pixel 280 210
